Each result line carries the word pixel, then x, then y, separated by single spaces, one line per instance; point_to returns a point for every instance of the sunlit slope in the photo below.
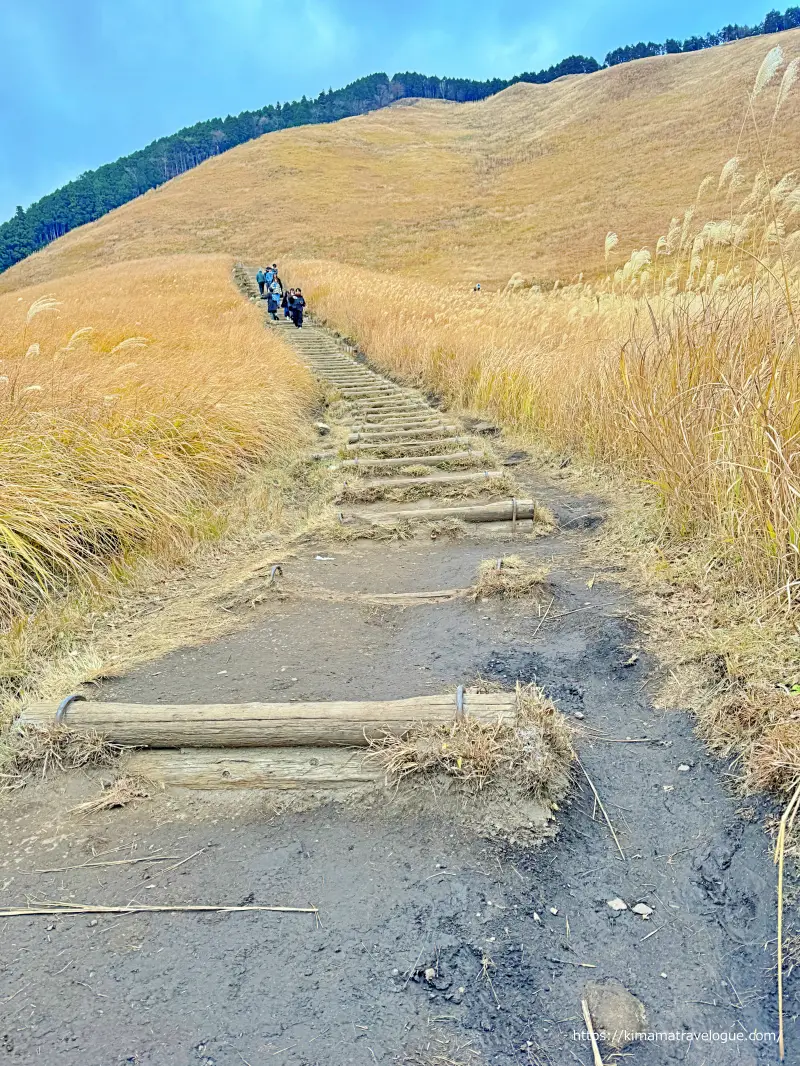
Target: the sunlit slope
pixel 530 180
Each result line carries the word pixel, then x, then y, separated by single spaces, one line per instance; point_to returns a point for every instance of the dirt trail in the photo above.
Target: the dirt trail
pixel 510 935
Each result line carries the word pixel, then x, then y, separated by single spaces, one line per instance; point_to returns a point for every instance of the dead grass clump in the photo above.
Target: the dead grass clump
pixel 534 754
pixel 509 576
pixel 332 527
pixel 32 751
pixel 448 527
pixel 115 794
pixel 414 470
pixel 543 518
pixel 774 761
pixel 737 716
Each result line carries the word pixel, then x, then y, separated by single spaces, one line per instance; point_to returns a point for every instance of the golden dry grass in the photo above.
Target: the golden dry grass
pixel 131 399
pixel 529 181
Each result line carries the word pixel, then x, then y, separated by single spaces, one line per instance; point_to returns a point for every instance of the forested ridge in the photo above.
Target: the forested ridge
pixel 99 191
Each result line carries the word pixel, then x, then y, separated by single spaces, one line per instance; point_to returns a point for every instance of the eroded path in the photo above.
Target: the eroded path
pixel 511 935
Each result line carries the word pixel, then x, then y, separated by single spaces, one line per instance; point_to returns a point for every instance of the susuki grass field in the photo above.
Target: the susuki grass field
pixel 649 218
pixel 131 399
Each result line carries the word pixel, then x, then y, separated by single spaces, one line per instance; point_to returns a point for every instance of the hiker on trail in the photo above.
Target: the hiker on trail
pixel 298 305
pixel 275 292
pixel 260 280
pixel 286 303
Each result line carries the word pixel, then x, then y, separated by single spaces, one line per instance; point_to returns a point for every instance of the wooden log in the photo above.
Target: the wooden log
pixel 377 387
pixel 243 725
pixel 411 446
pixel 433 479
pixel 395 424
pixel 504 511
pixel 347 386
pixel 407 410
pixel 398 418
pixel 411 460
pixel 406 402
pixel 375 436
pixel 367 385
pixel 354 382
pixel 372 395
pixel 263 768
pixel 409 400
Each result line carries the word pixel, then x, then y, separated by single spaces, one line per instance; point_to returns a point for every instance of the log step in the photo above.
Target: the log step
pixel 262 768
pixel 367 390
pixel 434 479
pixel 416 409
pixel 398 416
pixel 414 460
pixel 376 436
pixel 504 511
pixel 395 425
pixel 412 446
pixel 261 725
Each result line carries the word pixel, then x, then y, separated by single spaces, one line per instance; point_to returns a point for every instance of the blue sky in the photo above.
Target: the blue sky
pixel 85 81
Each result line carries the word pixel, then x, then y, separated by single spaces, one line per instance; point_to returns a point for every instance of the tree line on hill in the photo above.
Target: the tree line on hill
pixel 99 191
pixel 774 22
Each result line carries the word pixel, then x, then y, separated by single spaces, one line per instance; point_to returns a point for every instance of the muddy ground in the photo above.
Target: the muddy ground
pixel 403 887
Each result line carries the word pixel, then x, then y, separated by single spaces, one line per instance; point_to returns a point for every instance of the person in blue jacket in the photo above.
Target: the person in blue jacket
pixel 298 306
pixel 275 292
pixel 260 280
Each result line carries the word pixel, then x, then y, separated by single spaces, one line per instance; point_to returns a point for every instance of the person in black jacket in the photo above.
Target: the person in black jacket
pixel 298 305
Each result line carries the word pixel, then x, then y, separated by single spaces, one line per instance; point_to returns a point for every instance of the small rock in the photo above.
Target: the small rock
pixel 663 975
pixel 536 917
pixel 617 904
pixel 430 974
pixel 578 714
pixel 684 768
pixel 643 910
pixel 322 428
pixel 615 1011
pixel 554 910
pixel 93 921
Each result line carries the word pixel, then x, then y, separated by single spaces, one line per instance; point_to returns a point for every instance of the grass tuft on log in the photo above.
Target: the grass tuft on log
pixel 534 753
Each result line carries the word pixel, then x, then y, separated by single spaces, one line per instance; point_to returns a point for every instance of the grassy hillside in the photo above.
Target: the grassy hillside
pixel 528 181
pixel 678 366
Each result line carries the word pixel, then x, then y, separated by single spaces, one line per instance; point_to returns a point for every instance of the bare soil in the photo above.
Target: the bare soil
pixel 509 936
